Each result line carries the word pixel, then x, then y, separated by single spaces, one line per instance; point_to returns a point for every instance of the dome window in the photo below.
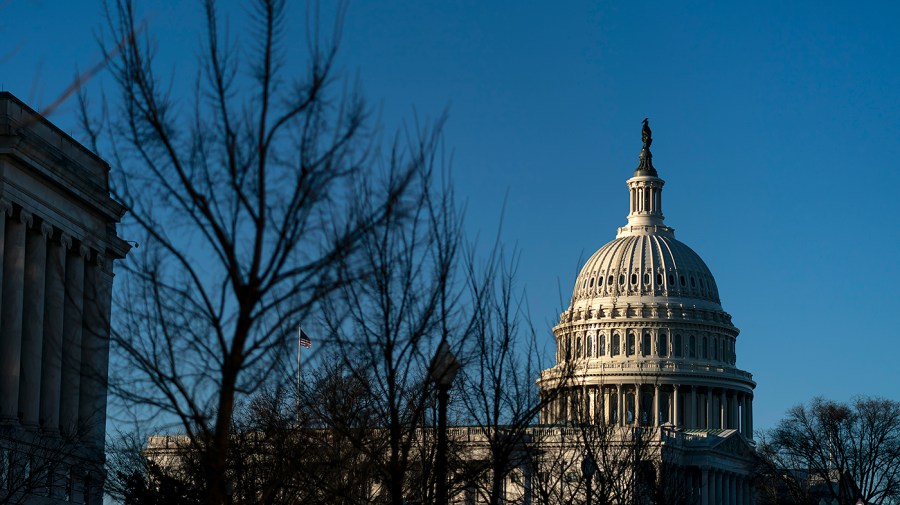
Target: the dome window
pixel 646 278
pixel 705 348
pixel 692 346
pixel 599 281
pixel 615 345
pixel 677 349
pixel 634 278
pixel 662 347
pixel 645 345
pixel 658 279
pixel 592 282
pixel 609 280
pixel 589 347
pixel 693 284
pixel 621 278
pixel 671 279
pixel 682 280
pixel 602 345
pixel 629 345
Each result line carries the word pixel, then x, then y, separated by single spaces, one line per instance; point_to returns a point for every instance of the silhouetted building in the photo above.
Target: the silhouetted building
pixel 57 246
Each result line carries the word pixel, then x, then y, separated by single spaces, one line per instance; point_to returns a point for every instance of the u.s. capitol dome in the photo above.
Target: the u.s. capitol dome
pixel 645 340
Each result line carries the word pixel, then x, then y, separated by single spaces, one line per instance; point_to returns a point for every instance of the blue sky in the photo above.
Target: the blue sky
pixel 775 126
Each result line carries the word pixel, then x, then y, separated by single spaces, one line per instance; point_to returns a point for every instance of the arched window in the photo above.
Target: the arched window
pixel 646 278
pixel 634 278
pixel 629 345
pixel 592 282
pixel 568 348
pixel 662 348
pixel 616 347
pixel 692 346
pixel 715 348
pixel 705 348
pixel 589 347
pixel 677 349
pixel 578 347
pixel 659 279
pixel 722 350
pixel 602 345
pixel 645 345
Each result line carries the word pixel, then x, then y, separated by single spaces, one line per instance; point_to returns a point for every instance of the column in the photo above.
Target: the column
pixel 33 324
pixel 13 305
pixel 637 405
pixel 708 404
pixel 732 489
pixel 717 478
pixel 620 406
pixel 705 486
pixel 722 409
pixel 95 351
pixel 54 318
pixel 656 408
pixel 73 312
pixel 675 421
pixel 11 314
pixel 739 490
pixel 694 416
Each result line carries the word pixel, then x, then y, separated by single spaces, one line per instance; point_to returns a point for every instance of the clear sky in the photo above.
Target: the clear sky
pixel 776 126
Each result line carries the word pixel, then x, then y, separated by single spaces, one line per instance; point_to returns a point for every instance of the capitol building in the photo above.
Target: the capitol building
pixel 645 344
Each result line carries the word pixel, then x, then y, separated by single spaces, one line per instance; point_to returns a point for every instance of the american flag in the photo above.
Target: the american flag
pixel 305 341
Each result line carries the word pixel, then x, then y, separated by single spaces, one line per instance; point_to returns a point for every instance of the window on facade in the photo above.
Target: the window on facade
pixel 609 280
pixel 715 348
pixel 568 348
pixel 646 278
pixel 693 284
pixel 629 345
pixel 599 281
pixel 621 278
pixel 682 280
pixel 692 346
pixel 592 282
pixel 662 348
pixel 722 350
pixel 705 348
pixel 615 345
pixel 645 345
pixel 602 345
pixel 634 278
pixel 671 279
pixel 578 347
pixel 677 349
pixel 589 347
pixel 658 279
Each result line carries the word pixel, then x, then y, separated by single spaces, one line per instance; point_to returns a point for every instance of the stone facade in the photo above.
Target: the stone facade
pixel 58 243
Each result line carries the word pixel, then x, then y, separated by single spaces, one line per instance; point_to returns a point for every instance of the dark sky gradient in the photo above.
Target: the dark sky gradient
pixel 775 126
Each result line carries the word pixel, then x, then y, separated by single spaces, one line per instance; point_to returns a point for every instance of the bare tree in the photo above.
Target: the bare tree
pixel 246 195
pixel 834 450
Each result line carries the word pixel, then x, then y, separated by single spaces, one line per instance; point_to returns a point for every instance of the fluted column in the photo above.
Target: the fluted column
pixel 54 319
pixel 11 314
pixel 33 324
pixel 95 350
pixel 9 404
pixel 73 315
pixel 739 490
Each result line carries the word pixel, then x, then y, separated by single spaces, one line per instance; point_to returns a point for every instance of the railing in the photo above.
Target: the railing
pixel 632 367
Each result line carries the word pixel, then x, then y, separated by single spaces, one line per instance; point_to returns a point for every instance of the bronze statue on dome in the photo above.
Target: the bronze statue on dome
pixel 646 134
